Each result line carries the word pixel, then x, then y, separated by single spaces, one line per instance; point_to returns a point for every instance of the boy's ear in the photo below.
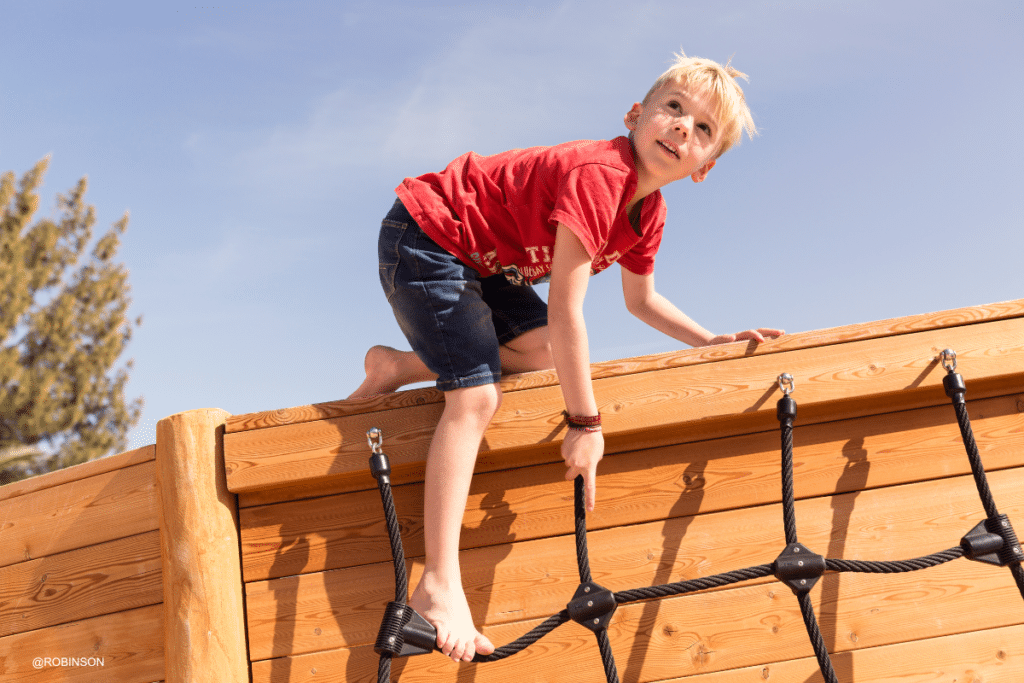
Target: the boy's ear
pixel 701 173
pixel 633 115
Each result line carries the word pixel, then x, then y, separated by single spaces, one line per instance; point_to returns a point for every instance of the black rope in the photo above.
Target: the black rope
pixel 955 388
pixel 583 562
pixel 394 535
pixel 817 642
pixel 971 446
pixel 384 669
pixel 895 567
pixel 579 507
pixel 605 646
pixel 1018 576
pixel 525 641
pixel 788 496
pixel 703 583
pixel 786 413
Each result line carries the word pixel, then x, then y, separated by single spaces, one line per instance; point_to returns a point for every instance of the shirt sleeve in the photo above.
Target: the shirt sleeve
pixel 587 202
pixel 640 259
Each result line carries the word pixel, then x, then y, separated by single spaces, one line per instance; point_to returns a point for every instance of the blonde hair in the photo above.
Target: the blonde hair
pixel 719 82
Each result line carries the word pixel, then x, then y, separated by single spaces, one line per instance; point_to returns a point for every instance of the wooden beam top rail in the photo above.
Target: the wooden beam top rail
pixel 640 364
pixel 77 472
pixel 679 404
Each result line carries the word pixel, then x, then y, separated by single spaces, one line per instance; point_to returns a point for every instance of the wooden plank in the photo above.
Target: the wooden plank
pixel 531 580
pixel 110 577
pixel 791 342
pixel 79 513
pixel 202 575
pixel 534 502
pixel 69 474
pixel 989 656
pixel 708 632
pixel 650 409
pixel 127 645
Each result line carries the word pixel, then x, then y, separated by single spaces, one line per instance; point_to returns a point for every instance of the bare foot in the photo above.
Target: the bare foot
pixel 389 370
pixel 446 608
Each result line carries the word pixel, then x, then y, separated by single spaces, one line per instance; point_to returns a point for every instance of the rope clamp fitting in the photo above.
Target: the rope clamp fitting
pixel 799 568
pixel 403 632
pixel 992 541
pixel 592 606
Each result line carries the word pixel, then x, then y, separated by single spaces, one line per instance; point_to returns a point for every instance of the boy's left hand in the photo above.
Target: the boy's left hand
pixel 581 452
pixel 758 335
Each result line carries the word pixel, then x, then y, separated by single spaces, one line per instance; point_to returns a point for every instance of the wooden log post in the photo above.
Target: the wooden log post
pixel 204 637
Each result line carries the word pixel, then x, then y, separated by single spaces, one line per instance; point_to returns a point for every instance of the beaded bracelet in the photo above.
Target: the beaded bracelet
pixel 583 423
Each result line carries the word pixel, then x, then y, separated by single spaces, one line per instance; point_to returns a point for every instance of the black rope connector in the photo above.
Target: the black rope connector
pixel 799 568
pixel 403 632
pixel 785 411
pixel 992 541
pixel 380 467
pixel 981 546
pixel 592 606
pixel 955 386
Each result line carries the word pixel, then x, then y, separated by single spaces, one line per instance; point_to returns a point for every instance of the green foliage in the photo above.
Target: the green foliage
pixel 62 328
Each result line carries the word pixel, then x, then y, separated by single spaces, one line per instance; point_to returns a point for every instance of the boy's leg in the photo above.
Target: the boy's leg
pixel 527 352
pixel 389 369
pixel 439 597
pixel 520 323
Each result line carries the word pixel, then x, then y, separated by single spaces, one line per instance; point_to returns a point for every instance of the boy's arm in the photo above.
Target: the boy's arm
pixel 658 312
pixel 570 274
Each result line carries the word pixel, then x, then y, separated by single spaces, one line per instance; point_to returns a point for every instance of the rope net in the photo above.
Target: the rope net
pixel 797 566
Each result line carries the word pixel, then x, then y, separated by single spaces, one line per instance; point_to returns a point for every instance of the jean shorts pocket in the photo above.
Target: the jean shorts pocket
pixel 387 280
pixel 387 244
pixel 391 233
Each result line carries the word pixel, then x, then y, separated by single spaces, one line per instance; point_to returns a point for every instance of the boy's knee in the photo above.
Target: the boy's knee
pixel 493 400
pixel 479 403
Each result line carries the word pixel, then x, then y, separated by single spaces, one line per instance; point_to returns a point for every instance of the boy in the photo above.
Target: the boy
pixel 457 249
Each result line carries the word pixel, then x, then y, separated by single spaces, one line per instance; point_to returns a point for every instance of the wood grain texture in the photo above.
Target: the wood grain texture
pixel 650 409
pixel 110 577
pixel 129 643
pixel 78 513
pixel 863 453
pixel 791 342
pixel 202 577
pixel 708 632
pixel 76 472
pixel 534 579
pixel 989 656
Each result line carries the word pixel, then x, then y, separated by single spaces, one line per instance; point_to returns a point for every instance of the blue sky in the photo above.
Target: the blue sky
pixel 257 145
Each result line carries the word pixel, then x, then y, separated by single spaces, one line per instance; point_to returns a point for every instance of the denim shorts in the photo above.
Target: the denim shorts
pixel 454 318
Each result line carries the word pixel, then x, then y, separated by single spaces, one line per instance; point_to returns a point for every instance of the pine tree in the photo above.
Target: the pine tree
pixel 62 328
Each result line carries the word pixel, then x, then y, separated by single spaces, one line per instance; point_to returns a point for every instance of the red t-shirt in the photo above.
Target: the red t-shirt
pixel 499 213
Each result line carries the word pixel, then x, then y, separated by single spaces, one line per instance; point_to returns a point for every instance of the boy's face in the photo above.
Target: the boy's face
pixel 676 134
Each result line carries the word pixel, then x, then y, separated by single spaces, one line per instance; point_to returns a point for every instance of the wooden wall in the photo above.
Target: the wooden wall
pixel 690 487
pixel 126 568
pixel 80 573
pixel 143 559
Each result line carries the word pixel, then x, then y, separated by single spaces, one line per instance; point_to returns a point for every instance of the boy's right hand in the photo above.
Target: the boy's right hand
pixel 581 452
pixel 759 335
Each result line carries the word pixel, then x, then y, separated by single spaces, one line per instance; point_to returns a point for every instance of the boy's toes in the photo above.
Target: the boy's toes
pixel 483 645
pixel 444 639
pixel 456 652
